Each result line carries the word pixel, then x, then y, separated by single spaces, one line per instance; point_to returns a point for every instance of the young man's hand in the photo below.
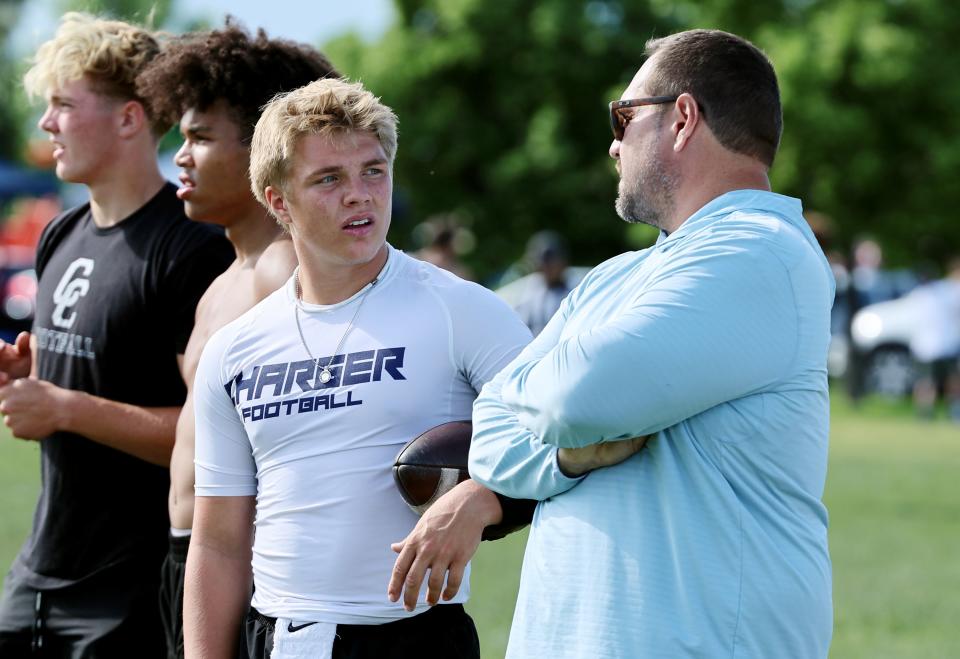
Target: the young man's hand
pixel 15 358
pixel 443 541
pixel 33 409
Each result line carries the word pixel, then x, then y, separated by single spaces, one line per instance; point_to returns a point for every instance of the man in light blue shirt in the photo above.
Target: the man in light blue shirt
pixel 711 541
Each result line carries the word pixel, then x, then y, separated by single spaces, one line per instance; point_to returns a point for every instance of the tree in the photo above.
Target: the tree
pixel 502 108
pixel 870 116
pixel 152 13
pixel 11 139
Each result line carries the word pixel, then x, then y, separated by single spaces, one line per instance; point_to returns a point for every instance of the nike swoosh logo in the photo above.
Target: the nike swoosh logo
pixel 291 628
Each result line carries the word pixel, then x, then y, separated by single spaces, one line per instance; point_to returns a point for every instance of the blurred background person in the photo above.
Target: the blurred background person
pixel 545 288
pixel 444 240
pixel 214 83
pixel 870 283
pixel 935 345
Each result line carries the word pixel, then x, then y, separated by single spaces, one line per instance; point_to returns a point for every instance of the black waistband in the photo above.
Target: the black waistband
pixel 179 544
pixel 433 615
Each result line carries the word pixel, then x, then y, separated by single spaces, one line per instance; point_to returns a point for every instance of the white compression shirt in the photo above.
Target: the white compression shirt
pixel 318 456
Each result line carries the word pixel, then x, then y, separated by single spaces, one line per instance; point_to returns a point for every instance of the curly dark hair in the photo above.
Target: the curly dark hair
pixel 200 68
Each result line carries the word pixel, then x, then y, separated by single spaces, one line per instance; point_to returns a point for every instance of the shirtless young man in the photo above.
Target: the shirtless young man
pixel 215 83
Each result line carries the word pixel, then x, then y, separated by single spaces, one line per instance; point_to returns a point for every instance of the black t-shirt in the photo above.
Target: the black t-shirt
pixel 115 307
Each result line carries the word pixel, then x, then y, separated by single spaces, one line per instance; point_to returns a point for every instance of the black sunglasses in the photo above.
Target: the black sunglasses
pixel 618 122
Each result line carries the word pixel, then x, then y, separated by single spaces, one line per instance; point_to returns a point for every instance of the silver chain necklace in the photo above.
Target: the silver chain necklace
pixel 325 374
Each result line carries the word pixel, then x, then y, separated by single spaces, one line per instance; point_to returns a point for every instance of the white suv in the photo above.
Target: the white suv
pixel 881 333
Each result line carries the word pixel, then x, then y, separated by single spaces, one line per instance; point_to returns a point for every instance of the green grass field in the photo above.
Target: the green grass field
pixel 893 493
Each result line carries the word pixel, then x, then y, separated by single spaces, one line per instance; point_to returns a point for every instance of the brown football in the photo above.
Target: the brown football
pixel 433 463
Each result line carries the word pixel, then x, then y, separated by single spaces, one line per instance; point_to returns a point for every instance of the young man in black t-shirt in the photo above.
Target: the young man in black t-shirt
pixel 97 382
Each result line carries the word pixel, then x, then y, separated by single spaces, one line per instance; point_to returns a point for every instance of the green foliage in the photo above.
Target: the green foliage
pixel 869 120
pixel 11 106
pixel 502 109
pixel 12 111
pixel 152 13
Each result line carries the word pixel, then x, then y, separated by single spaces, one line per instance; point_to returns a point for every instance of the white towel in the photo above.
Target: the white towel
pixel 299 639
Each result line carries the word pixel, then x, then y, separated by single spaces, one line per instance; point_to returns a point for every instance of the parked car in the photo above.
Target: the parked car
pixel 881 335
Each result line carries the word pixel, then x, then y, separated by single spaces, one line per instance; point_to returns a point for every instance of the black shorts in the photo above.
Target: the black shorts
pixel 171 594
pixel 111 614
pixel 445 631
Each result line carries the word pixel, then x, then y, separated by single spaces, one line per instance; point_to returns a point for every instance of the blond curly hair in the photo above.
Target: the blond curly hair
pixel 110 54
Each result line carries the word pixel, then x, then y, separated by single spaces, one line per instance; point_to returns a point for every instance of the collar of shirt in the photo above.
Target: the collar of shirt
pixel 788 208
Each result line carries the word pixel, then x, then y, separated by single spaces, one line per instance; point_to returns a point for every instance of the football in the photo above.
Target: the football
pixel 433 463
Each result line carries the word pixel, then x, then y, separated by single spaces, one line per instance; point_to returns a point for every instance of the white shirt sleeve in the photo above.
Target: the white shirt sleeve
pixel 223 460
pixel 486 334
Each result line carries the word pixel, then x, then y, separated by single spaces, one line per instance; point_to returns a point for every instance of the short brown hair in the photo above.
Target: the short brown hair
pixel 731 79
pixel 111 54
pixel 229 65
pixel 326 107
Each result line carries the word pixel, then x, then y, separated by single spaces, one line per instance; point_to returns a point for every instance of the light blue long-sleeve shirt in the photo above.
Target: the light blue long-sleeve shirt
pixel 712 541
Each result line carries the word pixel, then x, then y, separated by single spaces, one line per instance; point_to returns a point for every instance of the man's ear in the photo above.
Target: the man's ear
pixel 132 118
pixel 687 120
pixel 277 204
